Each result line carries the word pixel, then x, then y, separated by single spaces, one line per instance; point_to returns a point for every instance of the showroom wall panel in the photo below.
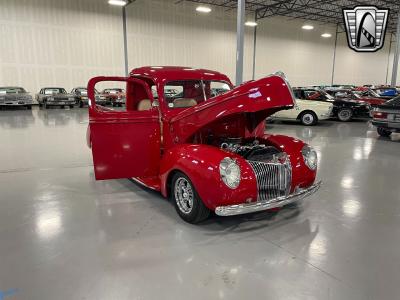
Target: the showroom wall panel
pixel 163 33
pixel 362 68
pixel 58 42
pixel 303 56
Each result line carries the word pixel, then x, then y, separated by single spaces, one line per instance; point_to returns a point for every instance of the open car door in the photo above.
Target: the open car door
pixel 125 143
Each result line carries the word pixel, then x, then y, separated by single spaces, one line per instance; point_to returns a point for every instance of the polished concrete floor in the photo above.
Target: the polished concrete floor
pixel 65 236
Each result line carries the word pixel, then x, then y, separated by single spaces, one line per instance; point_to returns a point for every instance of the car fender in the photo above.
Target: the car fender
pixel 201 164
pixel 302 176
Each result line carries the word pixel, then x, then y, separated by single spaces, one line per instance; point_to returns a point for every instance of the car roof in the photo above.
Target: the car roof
pixel 49 87
pixel 177 73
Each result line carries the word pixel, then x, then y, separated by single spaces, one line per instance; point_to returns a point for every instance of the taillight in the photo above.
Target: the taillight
pixel 380 115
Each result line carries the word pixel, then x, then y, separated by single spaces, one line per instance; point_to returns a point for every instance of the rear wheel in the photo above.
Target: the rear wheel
pixel 345 114
pixel 383 132
pixel 71 106
pixel 308 118
pixel 62 106
pixel 187 202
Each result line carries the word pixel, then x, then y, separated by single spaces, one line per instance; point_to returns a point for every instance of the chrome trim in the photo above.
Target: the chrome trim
pixel 245 208
pixel 274 179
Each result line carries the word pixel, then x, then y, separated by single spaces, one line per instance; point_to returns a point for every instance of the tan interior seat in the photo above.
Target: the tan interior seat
pixel 184 102
pixel 144 104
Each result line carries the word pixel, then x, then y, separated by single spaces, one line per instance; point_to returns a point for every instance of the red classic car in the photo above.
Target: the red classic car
pixel 115 96
pixel 205 153
pixel 357 95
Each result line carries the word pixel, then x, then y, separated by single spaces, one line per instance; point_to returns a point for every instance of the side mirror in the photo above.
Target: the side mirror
pixel 155 103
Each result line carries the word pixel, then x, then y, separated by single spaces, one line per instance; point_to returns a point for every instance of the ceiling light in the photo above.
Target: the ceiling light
pixel 118 2
pixel 203 9
pixel 307 27
pixel 250 23
pixel 326 35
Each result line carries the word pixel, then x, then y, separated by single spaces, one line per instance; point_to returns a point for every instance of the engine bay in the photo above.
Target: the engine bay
pixel 251 150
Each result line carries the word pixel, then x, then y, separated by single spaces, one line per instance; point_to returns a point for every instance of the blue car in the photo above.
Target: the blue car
pixel 387 92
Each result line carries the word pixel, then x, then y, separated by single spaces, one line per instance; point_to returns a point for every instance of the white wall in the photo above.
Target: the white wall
pixel 162 33
pixel 58 42
pixel 302 55
pixel 65 42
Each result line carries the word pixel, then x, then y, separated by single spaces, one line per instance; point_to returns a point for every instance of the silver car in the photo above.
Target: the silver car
pixel 15 96
pixel 55 96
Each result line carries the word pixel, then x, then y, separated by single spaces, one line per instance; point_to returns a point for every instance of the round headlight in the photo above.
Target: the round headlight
pixel 310 157
pixel 230 172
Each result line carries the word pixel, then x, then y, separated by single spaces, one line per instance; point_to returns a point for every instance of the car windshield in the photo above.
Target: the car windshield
pixel 82 91
pixel 12 90
pixel 113 91
pixel 318 95
pixel 187 93
pixel 52 91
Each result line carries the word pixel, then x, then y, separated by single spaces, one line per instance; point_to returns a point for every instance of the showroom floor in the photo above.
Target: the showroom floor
pixel 65 236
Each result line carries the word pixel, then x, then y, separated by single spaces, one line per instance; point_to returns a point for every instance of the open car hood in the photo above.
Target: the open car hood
pixel 264 97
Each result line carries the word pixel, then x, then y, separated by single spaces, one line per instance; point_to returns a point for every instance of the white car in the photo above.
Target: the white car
pixel 308 112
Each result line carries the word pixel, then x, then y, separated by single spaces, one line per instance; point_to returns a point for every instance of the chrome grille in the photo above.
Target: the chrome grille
pixel 274 179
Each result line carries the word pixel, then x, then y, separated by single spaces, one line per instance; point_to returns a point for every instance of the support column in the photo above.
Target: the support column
pixel 334 53
pixel 396 54
pixel 240 41
pixel 388 59
pixel 254 47
pixel 125 41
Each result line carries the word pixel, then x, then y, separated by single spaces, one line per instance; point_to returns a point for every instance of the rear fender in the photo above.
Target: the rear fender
pixel 201 164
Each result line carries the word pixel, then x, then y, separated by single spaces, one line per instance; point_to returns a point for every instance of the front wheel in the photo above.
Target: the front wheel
pixel 29 107
pixel 383 132
pixel 71 106
pixel 308 118
pixel 187 202
pixel 345 114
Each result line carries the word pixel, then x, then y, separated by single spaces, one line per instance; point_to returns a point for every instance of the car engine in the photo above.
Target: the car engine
pixel 253 151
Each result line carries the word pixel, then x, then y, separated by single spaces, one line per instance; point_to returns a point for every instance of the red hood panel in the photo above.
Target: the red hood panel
pixel 267 95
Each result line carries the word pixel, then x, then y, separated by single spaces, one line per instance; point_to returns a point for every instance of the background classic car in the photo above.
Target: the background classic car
pixel 114 96
pixel 205 153
pixel 356 95
pixel 343 109
pixel 306 111
pixel 54 96
pixel 386 117
pixel 15 96
pixel 81 97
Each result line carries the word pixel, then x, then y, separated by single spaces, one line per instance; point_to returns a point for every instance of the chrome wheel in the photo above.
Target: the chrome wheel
pixel 307 119
pixel 184 195
pixel 345 115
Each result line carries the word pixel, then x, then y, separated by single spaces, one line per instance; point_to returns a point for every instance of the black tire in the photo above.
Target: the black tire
pixel 44 104
pixel 383 132
pixel 345 114
pixel 71 106
pixel 197 211
pixel 40 105
pixel 308 118
pixel 80 104
pixel 29 107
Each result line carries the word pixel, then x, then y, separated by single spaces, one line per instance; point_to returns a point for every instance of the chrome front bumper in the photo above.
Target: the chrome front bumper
pixel 245 208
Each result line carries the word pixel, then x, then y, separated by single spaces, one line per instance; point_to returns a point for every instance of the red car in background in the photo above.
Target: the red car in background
pixel 207 154
pixel 114 96
pixel 357 95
